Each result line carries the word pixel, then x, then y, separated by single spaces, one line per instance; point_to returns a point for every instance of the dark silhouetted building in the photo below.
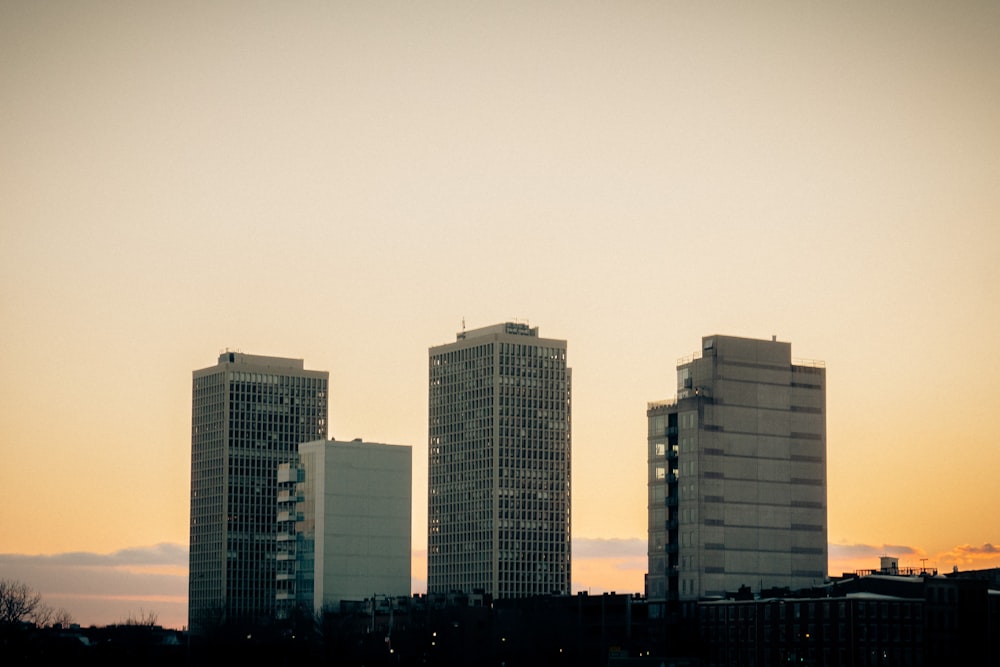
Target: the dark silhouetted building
pixel 877 619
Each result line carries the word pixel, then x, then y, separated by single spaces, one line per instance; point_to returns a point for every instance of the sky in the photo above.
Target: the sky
pixel 348 182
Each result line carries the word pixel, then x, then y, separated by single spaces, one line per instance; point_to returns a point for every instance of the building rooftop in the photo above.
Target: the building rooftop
pixel 229 357
pixel 509 328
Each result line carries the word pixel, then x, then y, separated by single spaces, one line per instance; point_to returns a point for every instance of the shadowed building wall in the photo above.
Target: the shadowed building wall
pixel 344 520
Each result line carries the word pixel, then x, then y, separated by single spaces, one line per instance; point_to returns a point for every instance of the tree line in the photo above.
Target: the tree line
pixel 19 603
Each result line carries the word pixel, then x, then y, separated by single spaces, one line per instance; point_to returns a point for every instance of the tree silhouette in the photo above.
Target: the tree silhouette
pixel 142 619
pixel 18 602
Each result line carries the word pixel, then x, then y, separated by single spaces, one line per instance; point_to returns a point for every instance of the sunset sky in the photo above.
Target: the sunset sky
pixel 345 183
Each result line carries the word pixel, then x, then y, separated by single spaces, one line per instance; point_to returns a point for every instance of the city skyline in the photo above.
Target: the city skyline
pixel 346 184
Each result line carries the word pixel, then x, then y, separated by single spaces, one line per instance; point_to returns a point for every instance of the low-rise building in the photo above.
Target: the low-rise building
pixel 882 618
pixel 343 524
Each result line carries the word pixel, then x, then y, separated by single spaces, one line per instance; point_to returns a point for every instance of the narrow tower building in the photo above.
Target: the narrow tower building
pixel 499 464
pixel 249 414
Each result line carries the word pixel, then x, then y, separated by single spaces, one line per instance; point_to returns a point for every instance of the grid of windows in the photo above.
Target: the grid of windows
pixel 499 464
pixel 249 415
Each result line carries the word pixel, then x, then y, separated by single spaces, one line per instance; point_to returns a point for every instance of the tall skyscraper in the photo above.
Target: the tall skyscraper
pixel 344 524
pixel 498 510
pixel 737 473
pixel 249 414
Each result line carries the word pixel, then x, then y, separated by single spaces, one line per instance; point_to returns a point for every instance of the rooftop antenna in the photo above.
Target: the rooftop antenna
pixel 463 322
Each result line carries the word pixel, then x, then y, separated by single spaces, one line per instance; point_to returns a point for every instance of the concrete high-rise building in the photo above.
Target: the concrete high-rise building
pixel 498 510
pixel 344 524
pixel 249 414
pixel 737 473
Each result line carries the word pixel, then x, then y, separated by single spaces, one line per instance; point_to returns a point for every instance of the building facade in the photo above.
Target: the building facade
pixel 737 473
pixel 344 515
pixel 498 508
pixel 249 414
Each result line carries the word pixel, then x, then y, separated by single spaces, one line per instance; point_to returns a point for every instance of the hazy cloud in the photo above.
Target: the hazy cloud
pixel 633 563
pixel 156 570
pixel 163 554
pixel 986 549
pixel 850 551
pixel 865 556
pixel 615 547
pixel 604 564
pixel 987 555
pixel 106 588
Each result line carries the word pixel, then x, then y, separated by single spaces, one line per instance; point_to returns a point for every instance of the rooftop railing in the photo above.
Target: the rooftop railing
pixel 687 359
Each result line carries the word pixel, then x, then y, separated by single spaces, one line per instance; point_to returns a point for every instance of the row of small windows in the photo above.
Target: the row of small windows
pixel 508 562
pixel 544 518
pixel 512 570
pixel 544 377
pixel 533 367
pixel 543 527
pixel 469 353
pixel 461 400
pixel 540 351
pixel 508 509
pixel 554 551
pixel 540 534
pixel 543 414
pixel 553 448
pixel 506 591
pixel 506 350
pixel 272 379
pixel 555 485
pixel 474 374
pixel 520 397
